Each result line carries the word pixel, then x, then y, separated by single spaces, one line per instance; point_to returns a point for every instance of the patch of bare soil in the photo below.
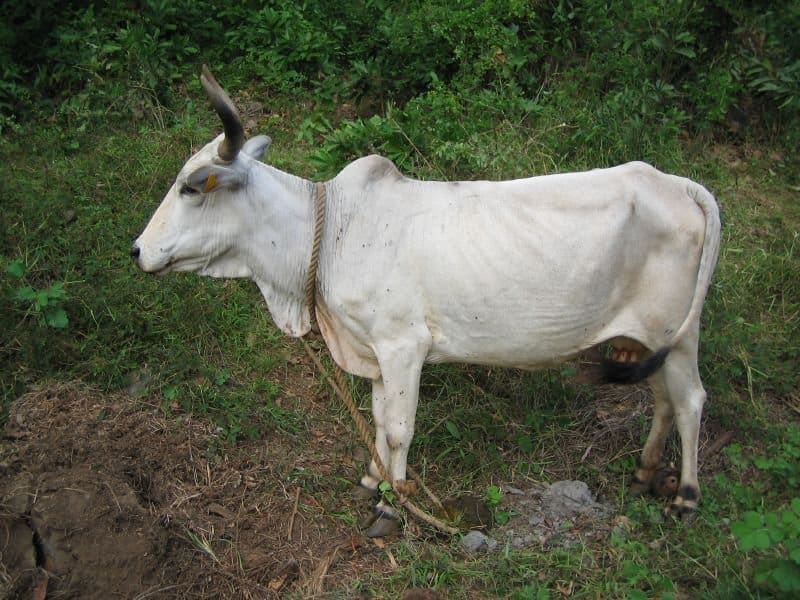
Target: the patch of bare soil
pixel 102 496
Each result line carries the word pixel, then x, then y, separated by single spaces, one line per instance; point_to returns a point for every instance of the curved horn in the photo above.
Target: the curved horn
pixel 231 121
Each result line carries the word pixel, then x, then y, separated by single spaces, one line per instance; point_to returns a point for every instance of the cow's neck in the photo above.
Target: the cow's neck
pixel 280 251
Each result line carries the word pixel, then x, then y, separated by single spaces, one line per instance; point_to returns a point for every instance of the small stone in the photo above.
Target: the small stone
pixel 565 499
pixel 137 382
pixel 475 541
pixel 535 520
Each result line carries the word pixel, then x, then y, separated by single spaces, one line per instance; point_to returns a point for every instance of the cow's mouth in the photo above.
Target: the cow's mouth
pixel 169 267
pixel 173 265
pixel 165 270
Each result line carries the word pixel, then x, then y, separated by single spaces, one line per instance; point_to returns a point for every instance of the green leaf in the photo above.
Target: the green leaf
pixel 753 520
pixel 16 269
pixel 787 576
pixel 56 318
pixel 771 520
pixel 222 377
pixel 56 291
pixel 25 294
pixel 452 428
pixel 762 462
pixel 110 48
pixel 493 495
pixel 632 571
pixel 525 443
pixel 761 539
pixel 42 298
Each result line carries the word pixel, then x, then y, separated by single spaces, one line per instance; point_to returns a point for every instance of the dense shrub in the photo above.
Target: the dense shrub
pixel 718 64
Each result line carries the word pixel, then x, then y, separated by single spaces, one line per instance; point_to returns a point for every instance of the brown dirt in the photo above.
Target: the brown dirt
pixel 102 496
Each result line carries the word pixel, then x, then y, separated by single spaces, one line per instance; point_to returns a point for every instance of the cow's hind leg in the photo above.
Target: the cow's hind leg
pixel 679 394
pixel 650 461
pixel 687 396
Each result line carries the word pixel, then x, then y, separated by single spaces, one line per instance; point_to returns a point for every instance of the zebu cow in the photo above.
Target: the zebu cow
pixel 525 273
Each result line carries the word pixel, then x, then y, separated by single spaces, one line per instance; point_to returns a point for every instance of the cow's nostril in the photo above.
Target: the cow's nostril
pixel 135 252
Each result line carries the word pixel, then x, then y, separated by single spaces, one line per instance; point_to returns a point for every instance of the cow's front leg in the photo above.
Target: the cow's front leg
pixel 394 407
pixel 370 481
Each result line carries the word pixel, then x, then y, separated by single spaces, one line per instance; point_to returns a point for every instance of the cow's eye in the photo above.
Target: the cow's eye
pixel 188 190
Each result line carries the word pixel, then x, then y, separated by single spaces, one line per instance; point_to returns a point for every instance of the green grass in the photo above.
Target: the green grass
pixel 73 201
pixel 205 344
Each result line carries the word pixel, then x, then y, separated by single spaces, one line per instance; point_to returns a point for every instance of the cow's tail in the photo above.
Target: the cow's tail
pixel 632 372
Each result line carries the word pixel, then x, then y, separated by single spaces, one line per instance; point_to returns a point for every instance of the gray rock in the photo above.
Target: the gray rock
pixel 565 499
pixel 535 520
pixel 475 541
pixel 137 382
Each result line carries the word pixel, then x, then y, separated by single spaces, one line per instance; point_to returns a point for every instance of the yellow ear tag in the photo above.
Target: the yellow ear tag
pixel 211 182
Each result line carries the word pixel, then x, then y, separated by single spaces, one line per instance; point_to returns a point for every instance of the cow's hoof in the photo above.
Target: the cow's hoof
pixel 684 506
pixel 681 512
pixel 383 526
pixel 362 492
pixel 665 482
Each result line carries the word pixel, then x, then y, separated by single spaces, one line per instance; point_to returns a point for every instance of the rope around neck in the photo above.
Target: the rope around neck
pixel 339 385
pixel 311 276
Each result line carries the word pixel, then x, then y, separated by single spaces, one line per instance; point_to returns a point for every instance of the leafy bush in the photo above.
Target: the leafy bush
pixel 697 64
pixel 778 534
pixel 284 43
pixel 102 59
pixel 358 138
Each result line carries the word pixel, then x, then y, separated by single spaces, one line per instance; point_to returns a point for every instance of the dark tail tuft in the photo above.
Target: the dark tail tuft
pixel 633 372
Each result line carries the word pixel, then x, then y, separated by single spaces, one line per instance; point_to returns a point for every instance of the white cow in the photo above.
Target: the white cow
pixel 525 273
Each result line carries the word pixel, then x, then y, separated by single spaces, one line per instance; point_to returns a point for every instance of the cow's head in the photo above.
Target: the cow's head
pixel 205 213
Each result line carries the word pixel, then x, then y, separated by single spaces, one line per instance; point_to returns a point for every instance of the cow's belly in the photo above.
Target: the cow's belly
pixel 515 326
pixel 527 341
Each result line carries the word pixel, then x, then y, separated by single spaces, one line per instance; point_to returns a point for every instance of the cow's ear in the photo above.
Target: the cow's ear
pixel 256 146
pixel 213 177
